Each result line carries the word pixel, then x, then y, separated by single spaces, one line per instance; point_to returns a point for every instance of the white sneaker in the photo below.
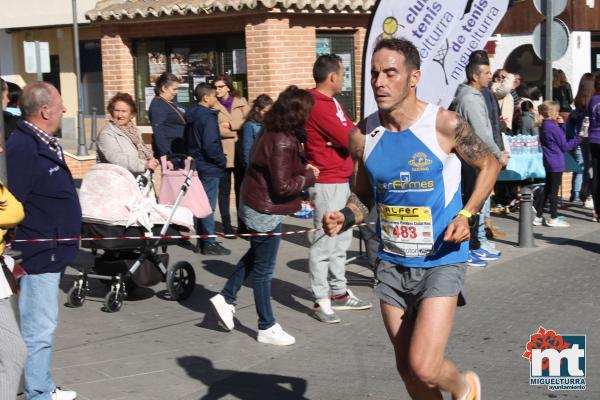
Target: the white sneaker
pixel 589 203
pixel 275 335
pixel 538 221
pixel 323 312
pixel 557 223
pixel 61 394
pixel 224 311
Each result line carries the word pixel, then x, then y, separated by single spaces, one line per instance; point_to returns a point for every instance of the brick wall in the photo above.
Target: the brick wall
pixel 359 43
pixel 278 55
pixel 280 47
pixel 79 166
pixel 117 66
pixel 565 189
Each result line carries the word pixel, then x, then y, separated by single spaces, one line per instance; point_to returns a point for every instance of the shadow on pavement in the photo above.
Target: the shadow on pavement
pixel 283 292
pixel 592 247
pixel 240 384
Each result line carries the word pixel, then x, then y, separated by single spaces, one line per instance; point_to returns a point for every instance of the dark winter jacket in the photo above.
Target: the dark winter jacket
pixel 44 185
pixel 203 140
pixel 168 125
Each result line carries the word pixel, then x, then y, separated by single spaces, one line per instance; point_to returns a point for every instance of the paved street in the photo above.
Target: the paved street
pixel 158 349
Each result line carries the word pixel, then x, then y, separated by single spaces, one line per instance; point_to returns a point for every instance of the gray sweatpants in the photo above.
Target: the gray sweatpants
pixel 12 352
pixel 327 255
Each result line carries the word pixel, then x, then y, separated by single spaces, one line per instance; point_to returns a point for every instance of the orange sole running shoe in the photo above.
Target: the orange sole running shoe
pixel 474 385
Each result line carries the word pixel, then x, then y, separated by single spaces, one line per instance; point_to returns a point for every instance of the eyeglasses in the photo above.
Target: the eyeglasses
pixel 220 86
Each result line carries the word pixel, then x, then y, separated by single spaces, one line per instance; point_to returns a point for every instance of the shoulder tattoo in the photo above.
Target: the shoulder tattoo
pixel 468 144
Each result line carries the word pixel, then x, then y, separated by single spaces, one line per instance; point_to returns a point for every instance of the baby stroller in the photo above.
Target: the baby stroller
pixel 130 210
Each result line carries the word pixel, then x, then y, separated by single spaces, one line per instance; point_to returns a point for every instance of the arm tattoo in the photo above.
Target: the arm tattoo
pixel 360 206
pixel 468 144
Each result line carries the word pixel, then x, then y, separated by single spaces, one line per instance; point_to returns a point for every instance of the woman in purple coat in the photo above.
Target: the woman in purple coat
pixel 593 111
pixel 554 146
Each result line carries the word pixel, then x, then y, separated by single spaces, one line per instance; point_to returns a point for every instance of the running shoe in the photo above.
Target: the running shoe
pixel 474 261
pixel 486 255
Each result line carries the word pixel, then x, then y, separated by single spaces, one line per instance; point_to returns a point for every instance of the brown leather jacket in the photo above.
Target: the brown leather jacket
pixel 276 175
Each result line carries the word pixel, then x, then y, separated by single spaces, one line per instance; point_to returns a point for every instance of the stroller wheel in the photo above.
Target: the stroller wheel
pixel 113 301
pixel 181 280
pixel 76 296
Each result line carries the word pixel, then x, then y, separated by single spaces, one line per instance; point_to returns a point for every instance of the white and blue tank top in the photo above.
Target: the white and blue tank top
pixel 416 187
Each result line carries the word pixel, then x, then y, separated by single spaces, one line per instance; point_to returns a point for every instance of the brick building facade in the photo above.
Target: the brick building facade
pixel 280 39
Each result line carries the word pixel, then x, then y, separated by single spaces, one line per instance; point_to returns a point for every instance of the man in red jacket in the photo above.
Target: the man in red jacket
pixel 328 130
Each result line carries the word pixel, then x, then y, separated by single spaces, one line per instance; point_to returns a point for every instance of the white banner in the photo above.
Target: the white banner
pixel 426 23
pixel 440 78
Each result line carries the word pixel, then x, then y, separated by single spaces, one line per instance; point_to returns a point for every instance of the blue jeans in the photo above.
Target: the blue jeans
pixel 261 260
pixel 206 226
pixel 577 180
pixel 38 305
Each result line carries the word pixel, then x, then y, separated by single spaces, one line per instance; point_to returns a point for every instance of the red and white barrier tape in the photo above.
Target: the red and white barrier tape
pixel 219 235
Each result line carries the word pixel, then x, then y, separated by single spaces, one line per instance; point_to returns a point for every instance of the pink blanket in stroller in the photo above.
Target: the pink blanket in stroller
pixel 110 195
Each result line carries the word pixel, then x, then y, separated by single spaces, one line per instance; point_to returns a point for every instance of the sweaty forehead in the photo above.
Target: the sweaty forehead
pixel 386 59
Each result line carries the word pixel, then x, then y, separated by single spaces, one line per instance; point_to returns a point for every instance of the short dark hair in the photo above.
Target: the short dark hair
pixel 325 65
pixel 203 89
pixel 479 56
pixel 165 79
pixel 412 59
pixel 474 68
pixel 125 98
pixel 290 112
pixel 14 91
pixel 526 105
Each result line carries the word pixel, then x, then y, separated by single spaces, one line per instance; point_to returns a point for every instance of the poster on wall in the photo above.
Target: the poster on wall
pixel 426 24
pixel 239 61
pixel 179 63
pixel 196 80
pixel 202 63
pixel 148 96
pixel 347 62
pixel 157 64
pixel 323 46
pixel 441 78
pixel 183 93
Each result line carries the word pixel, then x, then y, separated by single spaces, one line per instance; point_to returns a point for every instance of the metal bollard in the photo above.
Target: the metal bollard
pixel 526 217
pixel 93 144
pixel 81 149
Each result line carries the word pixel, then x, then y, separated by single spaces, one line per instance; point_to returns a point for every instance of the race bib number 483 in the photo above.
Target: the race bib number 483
pixel 406 231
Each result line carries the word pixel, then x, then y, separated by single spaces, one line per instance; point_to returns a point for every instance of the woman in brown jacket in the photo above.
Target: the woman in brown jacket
pixel 233 110
pixel 275 177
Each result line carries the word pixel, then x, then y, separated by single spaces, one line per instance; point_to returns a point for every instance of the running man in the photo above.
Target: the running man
pixel 406 163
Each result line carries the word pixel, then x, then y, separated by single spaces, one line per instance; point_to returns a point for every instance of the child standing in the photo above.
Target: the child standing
pixel 554 145
pixel 529 119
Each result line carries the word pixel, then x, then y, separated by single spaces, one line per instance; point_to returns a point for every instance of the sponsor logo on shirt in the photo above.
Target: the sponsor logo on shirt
pixel 405 184
pixel 420 162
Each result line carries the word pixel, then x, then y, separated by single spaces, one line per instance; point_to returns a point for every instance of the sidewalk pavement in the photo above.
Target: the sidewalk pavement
pixel 159 349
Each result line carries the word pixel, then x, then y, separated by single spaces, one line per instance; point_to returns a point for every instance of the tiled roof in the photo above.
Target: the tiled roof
pixel 119 9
